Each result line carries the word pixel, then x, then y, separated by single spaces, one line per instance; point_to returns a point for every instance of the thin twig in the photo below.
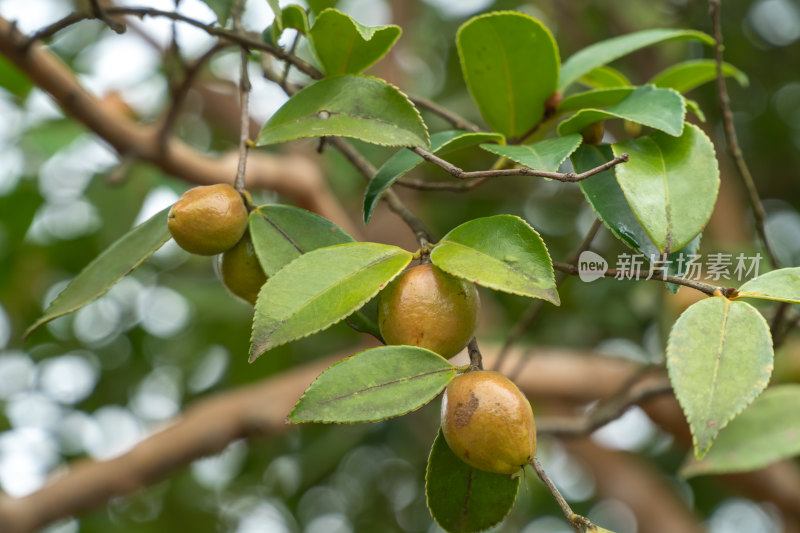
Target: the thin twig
pixel 575 520
pixel 533 309
pixel 570 177
pixel 244 100
pixel 55 27
pixel 288 65
pixel 475 357
pixel 99 14
pixel 730 134
pixel 457 121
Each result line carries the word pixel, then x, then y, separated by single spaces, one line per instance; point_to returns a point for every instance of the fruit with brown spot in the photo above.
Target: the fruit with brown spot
pixel 429 308
pixel 488 422
pixel 208 220
pixel 241 271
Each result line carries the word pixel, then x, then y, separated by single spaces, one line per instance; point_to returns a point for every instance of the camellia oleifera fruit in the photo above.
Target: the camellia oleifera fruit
pixel 488 422
pixel 208 220
pixel 429 308
pixel 593 133
pixel 241 271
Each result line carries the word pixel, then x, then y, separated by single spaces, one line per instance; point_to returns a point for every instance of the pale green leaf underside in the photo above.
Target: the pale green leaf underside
pixel 688 75
pixel 719 358
pixel 404 161
pixel 374 385
pixel 510 63
pixel 344 46
pixel 463 499
pixel 782 285
pixel 662 109
pixel 604 78
pixel 605 52
pixel 502 253
pixel 670 183
pixel 544 155
pixel 281 233
pixel 765 432
pixel 360 107
pixel 118 260
pixel 320 288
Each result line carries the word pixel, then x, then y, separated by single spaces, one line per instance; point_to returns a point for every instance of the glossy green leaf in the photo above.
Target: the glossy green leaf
pixel 764 433
pixel 688 75
pixel 374 385
pixel 281 233
pixel 510 63
pixel 670 183
pixel 595 98
pixel 463 499
pixel 782 285
pixel 320 288
pixel 343 46
pixel 604 52
pixel 109 267
pixel 544 155
pixel 719 358
pixel 221 8
pixel 604 78
pixel 361 107
pixel 502 253
pixel 404 161
pixel 291 16
pixel 662 109
pixel 12 79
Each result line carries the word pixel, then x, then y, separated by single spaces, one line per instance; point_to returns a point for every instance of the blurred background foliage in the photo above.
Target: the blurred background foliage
pixel 94 383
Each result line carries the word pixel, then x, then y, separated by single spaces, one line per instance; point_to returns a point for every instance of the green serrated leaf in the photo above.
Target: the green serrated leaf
pixel 782 285
pixel 670 183
pixel 510 63
pixel 502 253
pixel 719 358
pixel 595 98
pixel 404 161
pixel 604 78
pixel 374 385
pixel 282 233
pixel 221 8
pixel 764 433
pixel 688 75
pixel 320 288
pixel 343 46
pixel 109 267
pixel 544 155
pixel 605 52
pixel 361 107
pixel 662 109
pixel 463 499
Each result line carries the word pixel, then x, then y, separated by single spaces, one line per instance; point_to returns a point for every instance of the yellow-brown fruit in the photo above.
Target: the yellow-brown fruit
pixel 593 133
pixel 208 220
pixel 241 271
pixel 633 129
pixel 429 308
pixel 488 422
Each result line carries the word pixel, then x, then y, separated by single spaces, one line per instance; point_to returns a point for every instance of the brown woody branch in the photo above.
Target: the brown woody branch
pixel 244 100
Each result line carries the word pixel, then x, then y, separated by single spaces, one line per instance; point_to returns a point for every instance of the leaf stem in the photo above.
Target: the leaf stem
pixel 575 520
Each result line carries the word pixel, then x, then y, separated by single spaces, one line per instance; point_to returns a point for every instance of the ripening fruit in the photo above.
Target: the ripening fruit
pixel 593 133
pixel 208 220
pixel 241 271
pixel 429 308
pixel 633 129
pixel 488 422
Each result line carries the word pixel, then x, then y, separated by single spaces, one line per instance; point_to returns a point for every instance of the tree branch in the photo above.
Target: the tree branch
pixel 244 99
pixel 577 522
pixel 457 121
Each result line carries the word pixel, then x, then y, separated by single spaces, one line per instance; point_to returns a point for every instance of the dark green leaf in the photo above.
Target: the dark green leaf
pixel 687 75
pixel 374 385
pixel 404 161
pixel 463 499
pixel 281 233
pixel 12 79
pixel 320 288
pixel 605 52
pixel 372 111
pixel 719 358
pixel 604 78
pixel 221 8
pixel 344 46
pixel 764 433
pixel 502 253
pixel 365 320
pixel 544 155
pixel 670 183
pixel 510 63
pixel 109 267
pixel 662 109
pixel 782 285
